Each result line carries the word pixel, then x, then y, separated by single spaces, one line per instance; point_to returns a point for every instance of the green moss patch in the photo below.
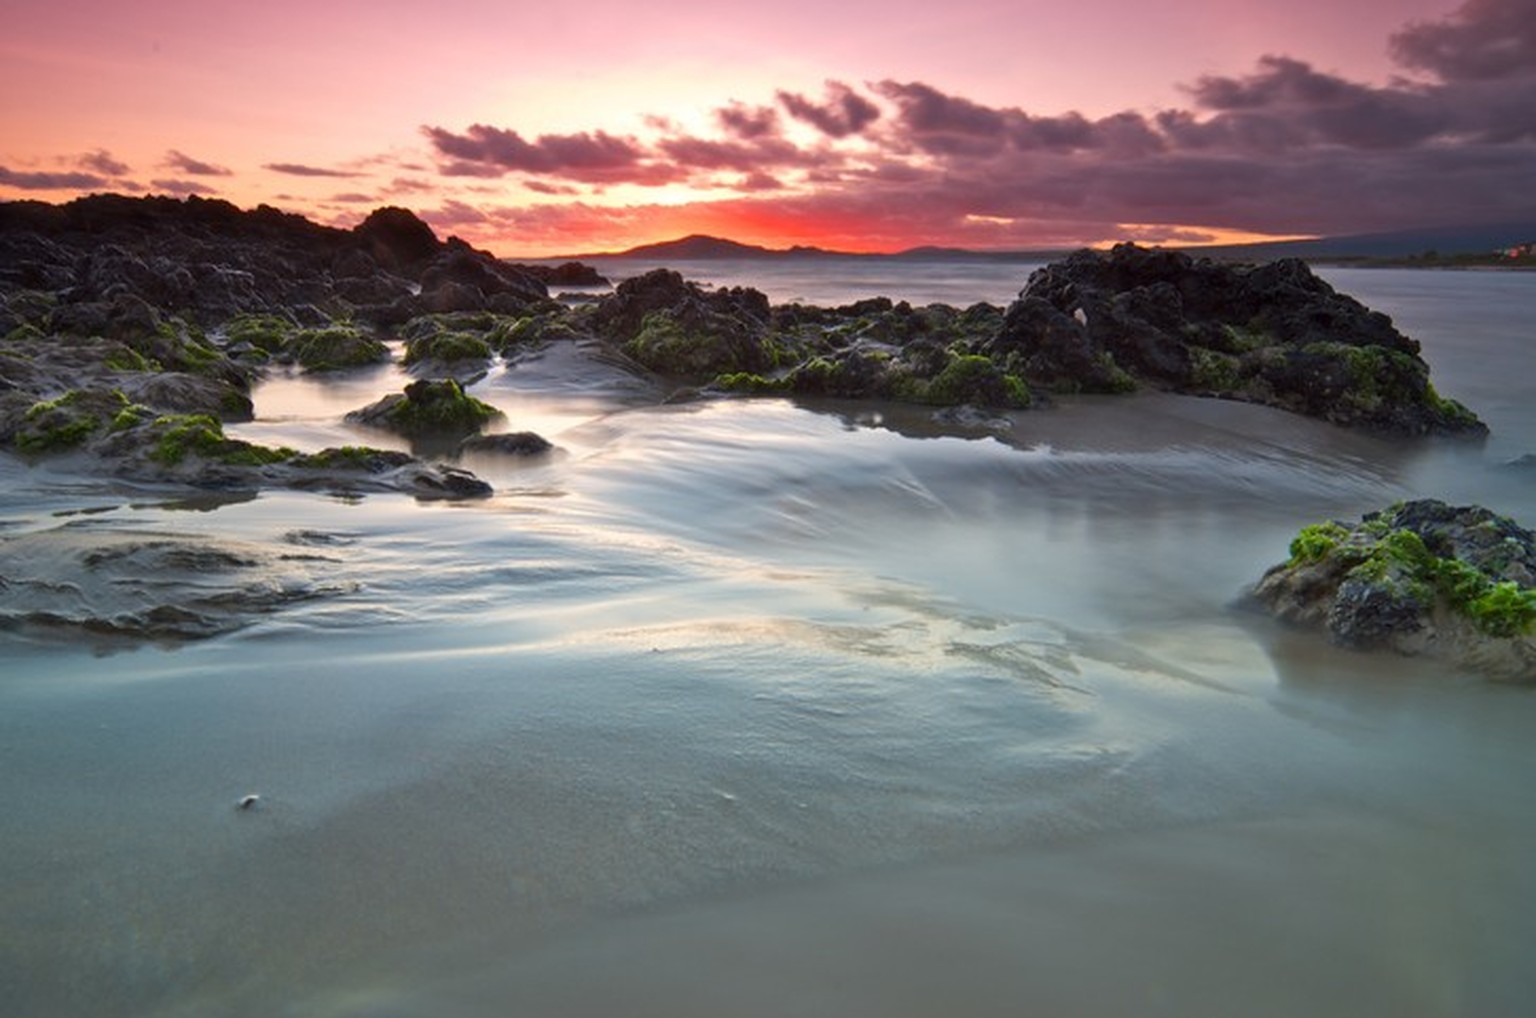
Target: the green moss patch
pixel 176 436
pixel 334 347
pixel 1424 566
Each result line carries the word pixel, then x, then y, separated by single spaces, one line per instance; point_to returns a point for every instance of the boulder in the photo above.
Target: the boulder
pixel 430 407
pixel 516 443
pixel 1420 577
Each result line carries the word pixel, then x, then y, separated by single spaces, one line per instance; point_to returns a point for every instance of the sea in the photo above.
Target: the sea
pixel 757 707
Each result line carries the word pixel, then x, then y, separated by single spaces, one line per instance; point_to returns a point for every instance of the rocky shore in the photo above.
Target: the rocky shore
pixel 132 331
pixel 132 325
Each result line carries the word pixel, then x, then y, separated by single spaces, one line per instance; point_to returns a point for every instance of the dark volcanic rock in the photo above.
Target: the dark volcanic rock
pixel 396 238
pixel 1274 334
pixel 1422 577
pixel 208 260
pixel 517 443
pixel 567 274
pixel 677 328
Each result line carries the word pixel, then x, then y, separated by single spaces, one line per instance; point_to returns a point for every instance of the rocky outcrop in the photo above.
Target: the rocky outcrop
pixel 565 274
pixel 675 327
pixel 207 261
pixel 428 408
pixel 1421 577
pixel 1273 334
pixel 110 435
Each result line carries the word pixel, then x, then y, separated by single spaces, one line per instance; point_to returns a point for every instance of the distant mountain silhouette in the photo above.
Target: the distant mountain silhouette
pixel 699 247
pixel 1446 240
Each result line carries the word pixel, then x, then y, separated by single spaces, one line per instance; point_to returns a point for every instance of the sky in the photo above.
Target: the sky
pixel 595 125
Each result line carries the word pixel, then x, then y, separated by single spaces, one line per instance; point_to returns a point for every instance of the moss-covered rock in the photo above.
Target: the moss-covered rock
pixel 172 438
pixel 1420 577
pixel 334 347
pixel 1272 333
pixel 430 407
pixel 265 332
pixel 971 378
pixel 447 347
pixel 65 422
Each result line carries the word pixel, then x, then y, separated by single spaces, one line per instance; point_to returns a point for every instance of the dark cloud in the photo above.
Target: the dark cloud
pixel 409 185
pixel 540 187
pixel 181 188
pixel 748 122
pixel 101 161
pixel 44 181
pixel 354 198
pixel 927 112
pixel 183 163
pixel 300 170
pixel 693 154
pixel 594 156
pixel 760 182
pixel 843 113
pixel 465 168
pixel 1483 39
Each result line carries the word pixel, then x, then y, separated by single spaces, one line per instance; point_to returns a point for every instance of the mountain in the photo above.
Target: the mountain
pixel 699 247
pixel 1444 240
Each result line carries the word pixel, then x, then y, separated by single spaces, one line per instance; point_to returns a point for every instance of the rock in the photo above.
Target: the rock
pixel 449 296
pixel 1273 334
pixel 675 328
pixel 180 393
pixel 395 238
pixel 426 408
pixel 567 274
pixel 469 269
pixel 432 345
pixel 516 443
pixel 1421 577
pixel 335 347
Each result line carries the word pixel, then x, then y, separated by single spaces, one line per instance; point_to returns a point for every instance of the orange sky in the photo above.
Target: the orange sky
pixel 555 129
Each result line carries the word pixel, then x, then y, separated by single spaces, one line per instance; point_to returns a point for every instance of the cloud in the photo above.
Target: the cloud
pixel 354 198
pixel 101 161
pixel 843 113
pixel 43 181
pixel 181 188
pixel 1482 40
pixel 300 170
pixel 589 156
pixel 540 187
pixel 748 122
pixel 183 163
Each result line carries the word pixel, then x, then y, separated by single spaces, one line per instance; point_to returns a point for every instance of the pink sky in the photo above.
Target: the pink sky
pixel 565 127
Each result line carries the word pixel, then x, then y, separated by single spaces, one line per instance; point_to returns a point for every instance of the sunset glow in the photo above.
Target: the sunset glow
pixel 549 130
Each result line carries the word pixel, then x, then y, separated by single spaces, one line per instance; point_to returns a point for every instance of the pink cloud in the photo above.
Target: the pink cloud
pixel 183 163
pixel 844 112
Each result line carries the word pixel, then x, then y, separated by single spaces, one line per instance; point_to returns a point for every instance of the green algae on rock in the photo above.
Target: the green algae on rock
pixel 1420 577
pixel 341 345
pixel 437 406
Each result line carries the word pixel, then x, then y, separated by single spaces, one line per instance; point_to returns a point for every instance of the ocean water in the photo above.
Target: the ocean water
pixel 755 707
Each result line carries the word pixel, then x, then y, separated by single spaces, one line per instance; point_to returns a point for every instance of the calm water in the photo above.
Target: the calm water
pixel 756 708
